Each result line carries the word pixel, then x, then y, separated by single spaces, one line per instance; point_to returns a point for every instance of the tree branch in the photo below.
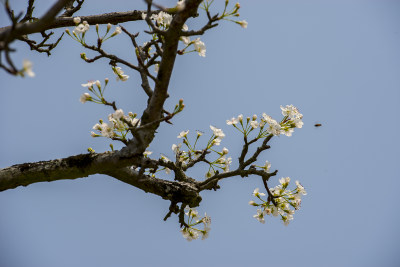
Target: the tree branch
pixel 72 167
pixel 59 22
pixel 10 33
pixel 170 190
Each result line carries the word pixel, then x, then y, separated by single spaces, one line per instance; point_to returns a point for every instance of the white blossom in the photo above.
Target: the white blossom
pixel 290 111
pixel 217 132
pixel 242 23
pixel 300 188
pixel 81 28
pixel 256 192
pixel 200 47
pixel 118 114
pixel 85 97
pixel 147 153
pixel 232 121
pixel 260 216
pixel 120 74
pixel 89 83
pixel 267 166
pixel 183 134
pixel 27 68
pixel 77 20
pixel 288 131
pixel 176 148
pixel 254 124
pixel 117 31
pixel 284 181
pixel 185 40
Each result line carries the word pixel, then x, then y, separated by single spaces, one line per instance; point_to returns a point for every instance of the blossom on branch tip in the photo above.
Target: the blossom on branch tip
pixel 290 111
pixel 232 121
pixel 185 40
pixel 183 134
pixel 217 132
pixel 300 188
pixel 118 114
pixel 85 97
pixel 256 192
pixel 120 74
pixel 27 68
pixel 117 31
pixel 162 19
pixel 267 166
pixel 176 148
pixel 284 181
pixel 287 131
pixel 252 203
pixel 81 28
pixel 190 234
pixel 254 124
pixel 242 23
pixel 200 47
pixel 90 83
pixel 260 216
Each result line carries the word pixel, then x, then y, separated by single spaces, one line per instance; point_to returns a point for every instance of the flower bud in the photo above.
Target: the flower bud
pixel 109 27
pixel 252 203
pixel 106 81
pixel 77 20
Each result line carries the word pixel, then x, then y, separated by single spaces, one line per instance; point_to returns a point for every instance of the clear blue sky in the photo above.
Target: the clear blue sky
pixel 337 61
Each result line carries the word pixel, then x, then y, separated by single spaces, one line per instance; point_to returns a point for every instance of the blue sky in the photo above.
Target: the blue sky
pixel 337 61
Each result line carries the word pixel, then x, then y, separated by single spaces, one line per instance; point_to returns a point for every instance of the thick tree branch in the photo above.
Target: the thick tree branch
pixel 72 167
pixel 59 22
pixel 155 107
pixel 170 190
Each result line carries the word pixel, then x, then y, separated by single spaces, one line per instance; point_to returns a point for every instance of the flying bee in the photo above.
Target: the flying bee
pixel 318 125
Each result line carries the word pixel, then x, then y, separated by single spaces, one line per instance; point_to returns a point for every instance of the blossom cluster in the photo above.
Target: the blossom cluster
pixel 267 125
pixel 80 30
pixel 118 125
pixel 280 201
pixel 120 74
pixel 227 15
pixel 191 232
pixel 162 19
pixel 98 94
pixel 198 46
pixel 221 162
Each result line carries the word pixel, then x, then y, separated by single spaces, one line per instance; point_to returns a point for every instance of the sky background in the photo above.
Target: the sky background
pixel 337 61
